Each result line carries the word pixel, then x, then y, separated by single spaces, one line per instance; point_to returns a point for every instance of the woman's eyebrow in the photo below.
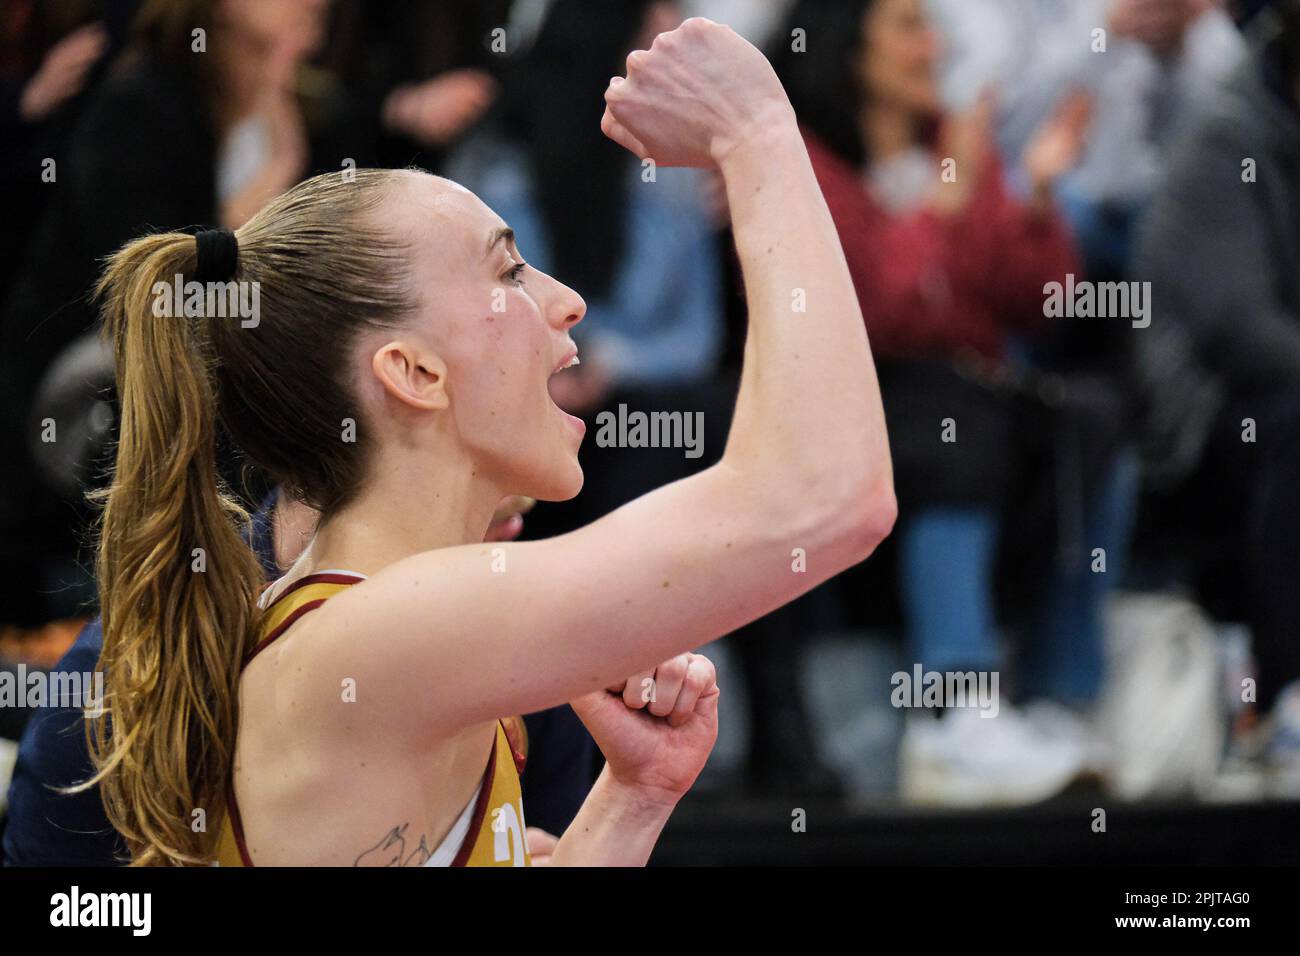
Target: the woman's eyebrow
pixel 505 232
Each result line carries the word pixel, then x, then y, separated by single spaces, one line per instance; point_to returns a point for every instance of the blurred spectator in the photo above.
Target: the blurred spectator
pixel 1161 59
pixel 1221 246
pixel 188 128
pixel 951 275
pixel 48 59
pixel 423 69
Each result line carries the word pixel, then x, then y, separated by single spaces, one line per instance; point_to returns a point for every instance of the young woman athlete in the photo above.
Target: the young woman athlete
pixel 396 379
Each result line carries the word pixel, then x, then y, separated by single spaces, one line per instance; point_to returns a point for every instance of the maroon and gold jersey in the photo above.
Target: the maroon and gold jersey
pixel 490 830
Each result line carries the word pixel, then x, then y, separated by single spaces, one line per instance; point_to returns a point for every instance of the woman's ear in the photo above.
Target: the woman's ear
pixel 412 374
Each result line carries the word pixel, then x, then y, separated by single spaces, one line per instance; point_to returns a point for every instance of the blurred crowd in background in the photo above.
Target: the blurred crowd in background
pixel 1102 509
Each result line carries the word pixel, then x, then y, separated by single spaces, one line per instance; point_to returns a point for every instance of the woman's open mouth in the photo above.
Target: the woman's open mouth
pixel 570 359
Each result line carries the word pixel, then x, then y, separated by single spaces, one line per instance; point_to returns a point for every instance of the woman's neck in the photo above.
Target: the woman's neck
pixel 887 130
pixel 403 510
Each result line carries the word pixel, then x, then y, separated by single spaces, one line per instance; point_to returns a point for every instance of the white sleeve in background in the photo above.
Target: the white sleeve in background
pixel 1036 51
pixel 979 44
pixel 1143 103
pixel 1213 48
pixel 1031 51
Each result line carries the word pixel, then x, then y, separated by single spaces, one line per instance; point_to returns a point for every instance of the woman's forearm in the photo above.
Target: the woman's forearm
pixel 809 411
pixel 617 826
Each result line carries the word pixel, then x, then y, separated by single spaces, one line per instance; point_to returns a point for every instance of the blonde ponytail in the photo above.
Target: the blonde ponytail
pixel 177 580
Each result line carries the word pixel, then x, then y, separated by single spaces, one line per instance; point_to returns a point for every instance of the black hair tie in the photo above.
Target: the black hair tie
pixel 218 255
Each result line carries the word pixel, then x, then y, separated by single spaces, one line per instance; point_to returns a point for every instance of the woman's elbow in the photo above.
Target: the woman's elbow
pixel 859 520
pixel 873 517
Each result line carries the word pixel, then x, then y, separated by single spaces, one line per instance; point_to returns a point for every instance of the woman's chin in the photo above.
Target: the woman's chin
pixel 573 483
pixel 561 484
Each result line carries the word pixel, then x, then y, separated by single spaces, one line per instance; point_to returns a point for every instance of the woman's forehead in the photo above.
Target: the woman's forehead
pixel 447 216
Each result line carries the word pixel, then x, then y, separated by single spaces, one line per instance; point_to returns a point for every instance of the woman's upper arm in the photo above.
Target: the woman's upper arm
pixel 447 638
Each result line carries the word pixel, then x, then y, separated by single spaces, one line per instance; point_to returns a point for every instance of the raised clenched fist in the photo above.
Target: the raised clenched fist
pixel 699 92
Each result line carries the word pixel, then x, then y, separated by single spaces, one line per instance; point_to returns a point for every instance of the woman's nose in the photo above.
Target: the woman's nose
pixel 568 308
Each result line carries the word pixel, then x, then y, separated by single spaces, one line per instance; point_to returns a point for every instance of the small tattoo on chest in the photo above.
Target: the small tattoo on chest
pixel 392 850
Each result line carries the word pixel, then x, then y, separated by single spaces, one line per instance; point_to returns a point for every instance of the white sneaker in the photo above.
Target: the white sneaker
pixel 965 760
pixel 1059 723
